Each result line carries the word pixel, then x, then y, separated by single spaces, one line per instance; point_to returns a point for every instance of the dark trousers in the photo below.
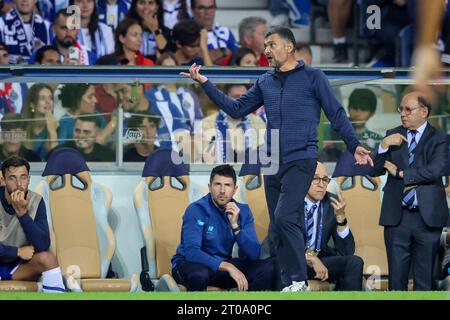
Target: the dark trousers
pixel 197 277
pixel 411 241
pixel 346 271
pixel 285 195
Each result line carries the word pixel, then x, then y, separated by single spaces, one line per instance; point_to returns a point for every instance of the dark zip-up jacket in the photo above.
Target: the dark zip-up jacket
pixel 292 108
pixel 207 237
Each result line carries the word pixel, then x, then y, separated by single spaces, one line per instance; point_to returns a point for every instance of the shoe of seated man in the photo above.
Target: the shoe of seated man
pixel 297 286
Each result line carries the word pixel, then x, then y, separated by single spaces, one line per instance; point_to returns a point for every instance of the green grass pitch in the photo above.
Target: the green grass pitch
pixel 434 295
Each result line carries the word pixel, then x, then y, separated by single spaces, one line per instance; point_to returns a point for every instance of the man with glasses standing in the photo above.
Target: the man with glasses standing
pixel 414 208
pixel 325 219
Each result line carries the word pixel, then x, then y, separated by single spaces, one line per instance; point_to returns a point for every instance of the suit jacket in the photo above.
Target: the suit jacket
pixel 426 172
pixel 342 247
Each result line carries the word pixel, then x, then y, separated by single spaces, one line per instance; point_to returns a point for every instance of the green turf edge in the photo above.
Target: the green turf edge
pixel 431 295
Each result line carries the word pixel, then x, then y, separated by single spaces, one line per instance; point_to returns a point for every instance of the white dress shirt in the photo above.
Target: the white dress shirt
pixel 309 203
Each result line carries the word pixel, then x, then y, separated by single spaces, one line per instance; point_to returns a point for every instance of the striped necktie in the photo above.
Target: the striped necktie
pixel 310 224
pixel 410 194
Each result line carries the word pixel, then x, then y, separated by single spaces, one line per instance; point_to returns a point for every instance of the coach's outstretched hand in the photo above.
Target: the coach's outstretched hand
pixel 194 74
pixel 362 156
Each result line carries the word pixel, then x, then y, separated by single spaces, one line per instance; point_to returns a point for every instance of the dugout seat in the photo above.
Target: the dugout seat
pixel 19 286
pixel 160 201
pixel 363 198
pixel 254 194
pixel 77 210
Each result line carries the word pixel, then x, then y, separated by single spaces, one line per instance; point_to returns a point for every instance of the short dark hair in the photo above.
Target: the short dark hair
pixel 3 46
pixel 423 102
pixel 224 170
pixel 72 93
pixel 301 46
pixel 15 161
pixel 89 117
pixel 137 118
pixel 41 53
pixel 62 12
pixel 186 32
pixel 284 33
pixel 12 121
pixel 363 99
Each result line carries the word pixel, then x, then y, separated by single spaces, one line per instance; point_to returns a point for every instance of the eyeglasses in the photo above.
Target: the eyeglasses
pixel 203 8
pixel 408 110
pixel 316 180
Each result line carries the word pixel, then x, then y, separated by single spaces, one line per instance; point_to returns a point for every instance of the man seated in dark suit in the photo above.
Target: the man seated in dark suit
pixel 414 208
pixel 325 219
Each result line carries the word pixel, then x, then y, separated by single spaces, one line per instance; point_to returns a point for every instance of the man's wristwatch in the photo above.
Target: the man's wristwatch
pixel 157 32
pixel 343 223
pixel 238 228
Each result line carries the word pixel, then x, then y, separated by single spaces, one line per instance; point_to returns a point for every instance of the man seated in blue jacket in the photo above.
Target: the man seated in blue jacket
pixel 24 233
pixel 211 226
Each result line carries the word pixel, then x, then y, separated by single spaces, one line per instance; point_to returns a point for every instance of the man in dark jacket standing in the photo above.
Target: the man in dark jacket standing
pixel 293 95
pixel 414 208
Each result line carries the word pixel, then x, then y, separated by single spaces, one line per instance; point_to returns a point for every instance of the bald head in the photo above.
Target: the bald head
pixel 415 110
pixel 318 187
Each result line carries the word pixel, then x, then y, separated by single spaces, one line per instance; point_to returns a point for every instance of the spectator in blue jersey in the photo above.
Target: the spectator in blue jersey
pixel 14 136
pixel 23 31
pixel 94 35
pixel 225 139
pixel 221 41
pixel 77 98
pixel 176 10
pixel 24 233
pixel 183 98
pixel 293 95
pixel 156 37
pixel 211 226
pixel 191 43
pixel 172 126
pixel 111 12
pixel 49 8
pixel 66 40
